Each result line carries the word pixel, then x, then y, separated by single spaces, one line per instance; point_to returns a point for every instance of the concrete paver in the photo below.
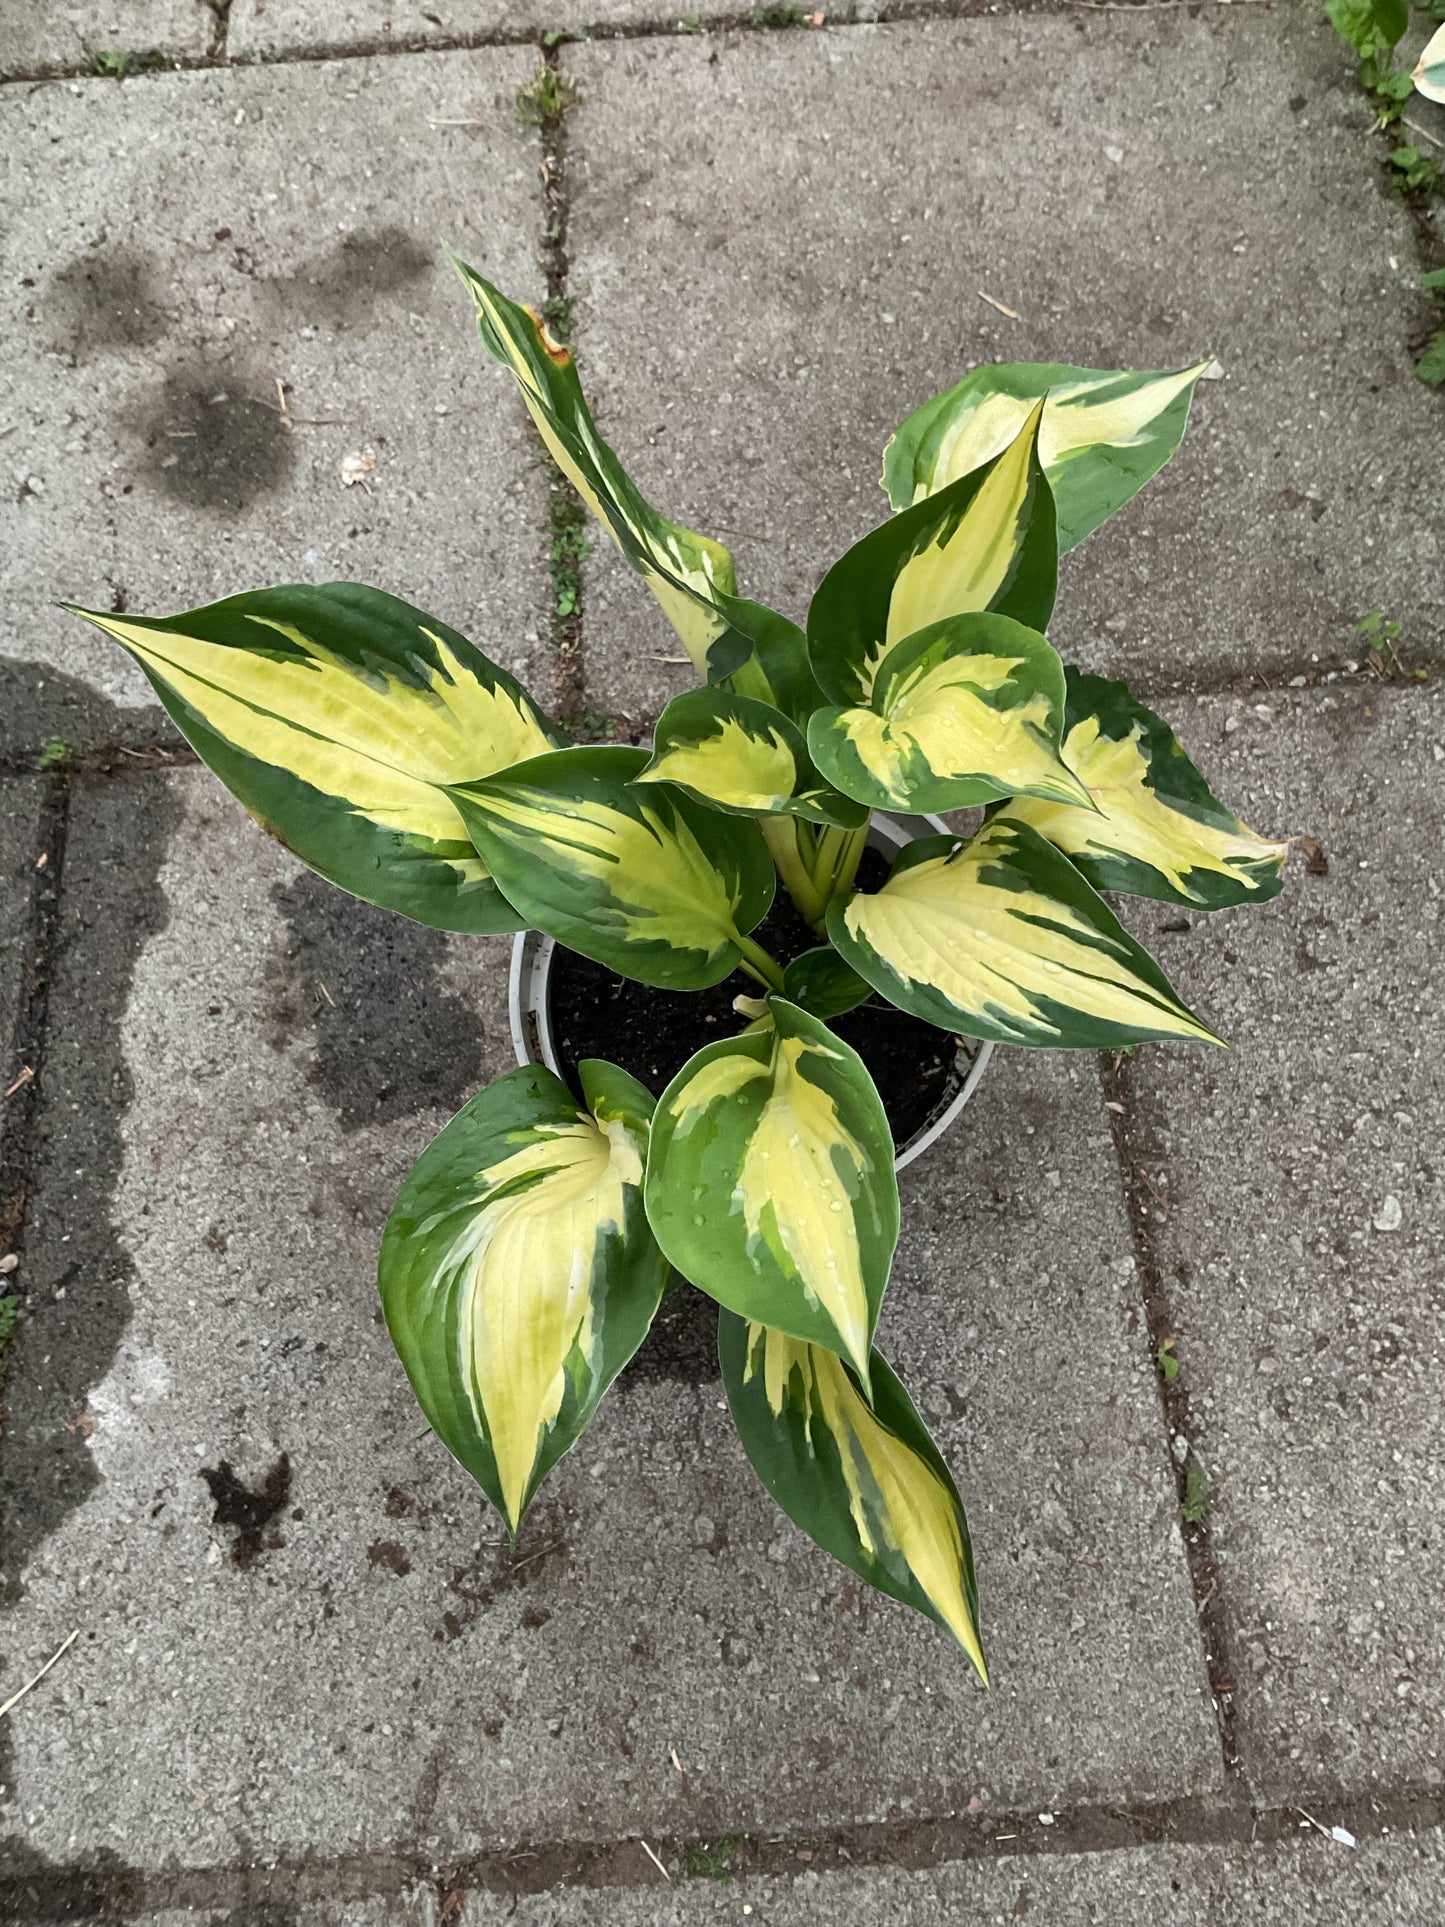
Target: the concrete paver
pixel 19 826
pixel 415 1907
pixel 358 1664
pixel 793 260
pixel 1300 1248
pixel 1395 1883
pixel 176 247
pixel 268 29
pixel 36 35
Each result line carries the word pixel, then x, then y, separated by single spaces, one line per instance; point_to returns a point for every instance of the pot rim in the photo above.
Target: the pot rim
pixel 530 1011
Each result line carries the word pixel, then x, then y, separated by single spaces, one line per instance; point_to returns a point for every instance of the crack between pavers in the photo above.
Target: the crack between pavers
pixel 103 759
pixel 220 29
pixel 104 1888
pixel 567 521
pixel 24 1066
pixel 888 13
pixel 1145 1204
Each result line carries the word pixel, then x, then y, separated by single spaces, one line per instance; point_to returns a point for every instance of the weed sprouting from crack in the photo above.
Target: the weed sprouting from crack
pixel 1196 1495
pixel 123 63
pixel 1383 635
pixel 568 547
pixel 546 99
pixel 56 754
pixel 9 1310
pixel 712 1859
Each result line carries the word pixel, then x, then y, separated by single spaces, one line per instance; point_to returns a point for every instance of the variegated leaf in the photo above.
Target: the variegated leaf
pixel 1103 435
pixel 1002 938
pixel 965 711
pixel 985 542
pixel 821 983
pixel 336 715
pixel 1157 829
pixel 865 1482
pixel 745 757
pixel 636 876
pixel 690 574
pixel 518 1273
pixel 1429 74
pixel 770 1181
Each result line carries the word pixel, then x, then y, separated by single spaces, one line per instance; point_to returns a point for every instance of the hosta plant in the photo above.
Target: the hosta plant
pixel 530 1247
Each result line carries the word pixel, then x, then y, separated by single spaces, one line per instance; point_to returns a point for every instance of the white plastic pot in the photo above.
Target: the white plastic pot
pixel 531 1002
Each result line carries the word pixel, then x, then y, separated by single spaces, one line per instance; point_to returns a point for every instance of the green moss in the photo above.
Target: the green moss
pixel 711 1859
pixel 1196 1495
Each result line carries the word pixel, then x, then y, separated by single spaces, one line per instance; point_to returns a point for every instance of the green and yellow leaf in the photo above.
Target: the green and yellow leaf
pixel 1000 937
pixel 987 541
pixel 966 711
pixel 770 1181
pixel 1429 73
pixel 1102 437
pixel 687 572
pixel 337 715
pixel 518 1273
pixel 865 1482
pixel 742 756
pixel 638 877
pixel 1158 830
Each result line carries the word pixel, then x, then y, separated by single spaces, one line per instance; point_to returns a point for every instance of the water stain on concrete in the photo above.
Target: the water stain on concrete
pixel 206 440
pixel 388 1554
pixel 339 288
pixel 107 298
pixel 389 1039
pixel 542 1552
pixel 249 1511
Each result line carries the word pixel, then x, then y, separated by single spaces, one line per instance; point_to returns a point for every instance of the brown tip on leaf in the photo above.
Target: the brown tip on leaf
pixel 553 347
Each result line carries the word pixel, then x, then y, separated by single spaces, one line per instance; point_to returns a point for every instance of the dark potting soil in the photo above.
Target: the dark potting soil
pixel 652 1033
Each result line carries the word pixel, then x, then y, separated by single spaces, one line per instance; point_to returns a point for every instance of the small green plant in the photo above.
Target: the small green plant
pixel 9 1311
pixel 1383 636
pixel 712 1859
pixel 556 313
pixel 594 726
pixel 115 63
pixel 532 1243
pixel 569 547
pixel 766 19
pixel 1412 172
pixel 1196 1495
pixel 545 98
pixel 690 23
pixel 1374 28
pixel 1166 1361
pixel 56 754
pixel 1431 366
